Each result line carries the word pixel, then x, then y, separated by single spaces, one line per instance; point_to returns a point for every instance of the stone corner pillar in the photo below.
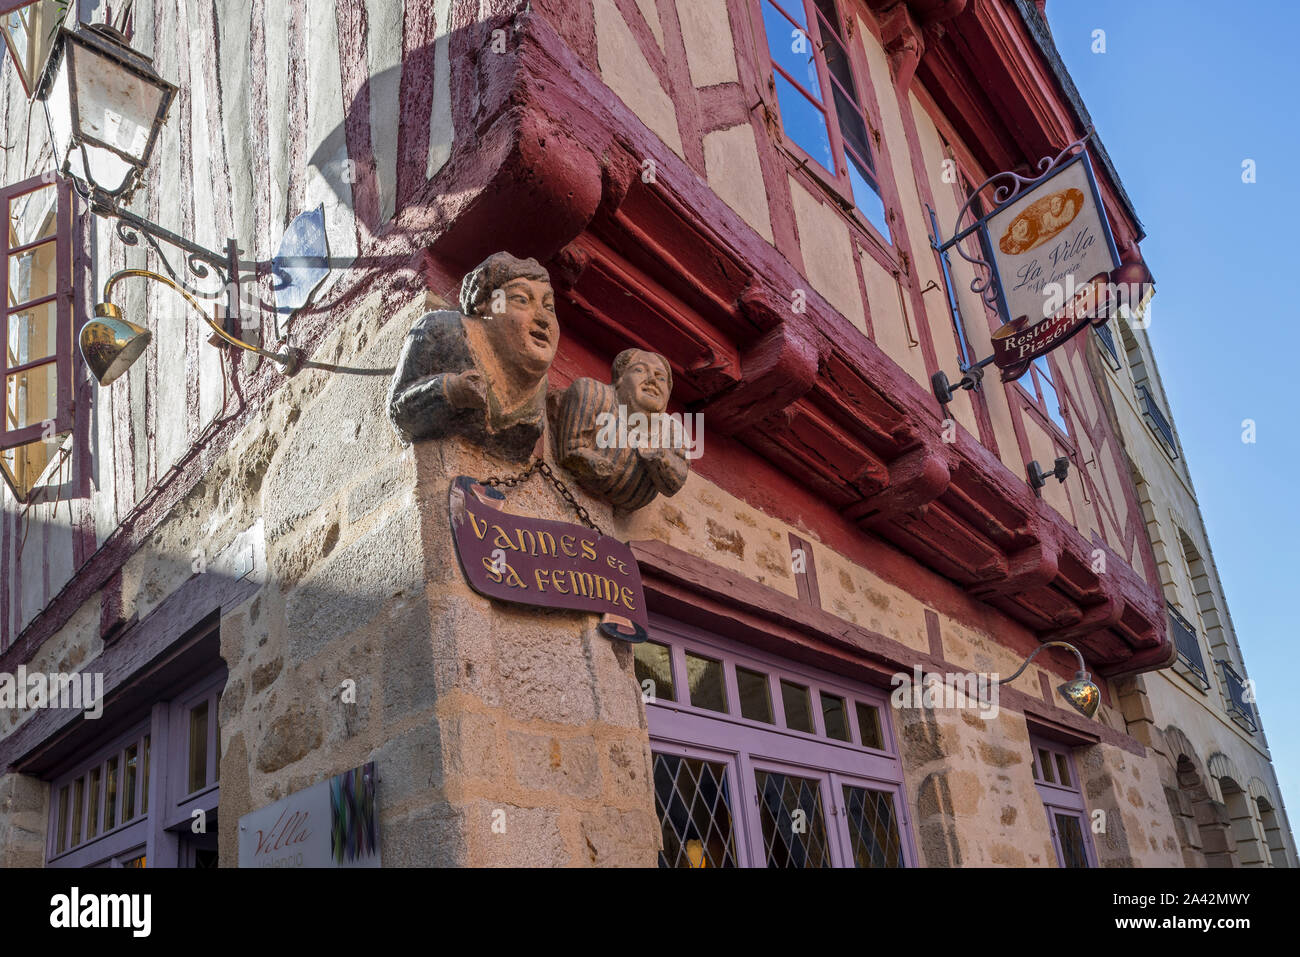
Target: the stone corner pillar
pixel 545 757
pixel 24 813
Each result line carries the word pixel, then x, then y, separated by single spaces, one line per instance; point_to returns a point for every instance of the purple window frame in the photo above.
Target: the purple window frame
pixel 744 745
pixel 124 839
pixel 170 804
pixel 1061 799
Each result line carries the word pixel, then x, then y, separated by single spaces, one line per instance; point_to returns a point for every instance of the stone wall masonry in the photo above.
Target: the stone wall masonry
pixel 343 613
pixel 23 811
pixel 544 744
pixel 969 784
pixel 1139 829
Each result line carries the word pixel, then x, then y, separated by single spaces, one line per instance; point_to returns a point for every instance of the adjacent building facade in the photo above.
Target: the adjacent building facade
pixel 265 574
pixel 1218 777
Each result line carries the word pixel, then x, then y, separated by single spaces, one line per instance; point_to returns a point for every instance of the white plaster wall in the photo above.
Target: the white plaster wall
pixel 206 49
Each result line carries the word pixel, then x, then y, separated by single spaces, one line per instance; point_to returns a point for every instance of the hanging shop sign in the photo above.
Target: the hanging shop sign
pixel 1052 266
pixel 544 563
pixel 334 823
pixel 1049 242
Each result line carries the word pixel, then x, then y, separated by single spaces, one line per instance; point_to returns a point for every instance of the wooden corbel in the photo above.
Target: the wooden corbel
pixel 775 372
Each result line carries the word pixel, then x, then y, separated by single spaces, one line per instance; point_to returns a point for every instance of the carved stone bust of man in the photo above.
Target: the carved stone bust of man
pixel 616 439
pixel 481 373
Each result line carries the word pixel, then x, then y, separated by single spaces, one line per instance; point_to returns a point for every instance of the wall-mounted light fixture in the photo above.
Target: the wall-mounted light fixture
pixel 105 105
pixel 110 343
pixel 1038 478
pixel 1080 691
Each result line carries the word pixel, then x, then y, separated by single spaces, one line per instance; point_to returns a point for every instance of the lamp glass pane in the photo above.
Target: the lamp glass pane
pixel 115 105
pixel 58 111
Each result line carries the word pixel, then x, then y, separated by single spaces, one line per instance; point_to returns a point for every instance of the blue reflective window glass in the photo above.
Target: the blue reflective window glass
pixel 804 123
pixel 867 198
pixel 791 48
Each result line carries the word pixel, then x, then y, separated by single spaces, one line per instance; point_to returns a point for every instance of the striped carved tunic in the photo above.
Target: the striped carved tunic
pixel 623 476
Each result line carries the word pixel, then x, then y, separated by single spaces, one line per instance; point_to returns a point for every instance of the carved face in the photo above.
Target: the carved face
pixel 644 384
pixel 521 326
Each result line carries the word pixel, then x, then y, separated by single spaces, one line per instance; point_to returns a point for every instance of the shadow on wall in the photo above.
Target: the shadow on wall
pixel 329 661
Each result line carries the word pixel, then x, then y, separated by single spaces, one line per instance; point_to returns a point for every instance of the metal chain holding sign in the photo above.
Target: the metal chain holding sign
pixel 540 466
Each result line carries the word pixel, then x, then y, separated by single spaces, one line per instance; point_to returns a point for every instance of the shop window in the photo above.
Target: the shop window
pixel 36 337
pixel 1058 786
pixel 774 766
pixel 102 814
pixel 820 102
pixel 101 805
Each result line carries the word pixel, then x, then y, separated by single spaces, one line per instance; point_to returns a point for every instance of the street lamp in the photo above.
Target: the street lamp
pixel 105 104
pixel 1080 692
pixel 110 343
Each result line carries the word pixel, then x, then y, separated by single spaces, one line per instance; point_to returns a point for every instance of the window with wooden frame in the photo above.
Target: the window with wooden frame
pixel 1057 781
pixel 1039 384
pixel 99 812
pixel 29 27
pixel 134 801
pixel 820 101
pixel 36 337
pixel 758 762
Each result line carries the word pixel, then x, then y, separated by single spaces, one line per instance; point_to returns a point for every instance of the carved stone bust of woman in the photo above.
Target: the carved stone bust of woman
pixel 481 373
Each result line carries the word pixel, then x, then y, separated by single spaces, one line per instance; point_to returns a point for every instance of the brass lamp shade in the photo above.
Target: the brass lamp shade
pixel 109 343
pixel 1083 695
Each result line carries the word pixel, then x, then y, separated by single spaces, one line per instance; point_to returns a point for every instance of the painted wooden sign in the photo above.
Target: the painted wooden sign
pixel 1049 241
pixel 548 564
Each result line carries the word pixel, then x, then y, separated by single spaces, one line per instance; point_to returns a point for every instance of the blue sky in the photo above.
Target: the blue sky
pixel 1186 91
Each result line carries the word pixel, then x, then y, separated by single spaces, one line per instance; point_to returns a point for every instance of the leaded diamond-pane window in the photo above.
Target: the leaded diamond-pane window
pixel 757 763
pixel 794 828
pixel 873 829
pixel 1071 838
pixel 694 805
